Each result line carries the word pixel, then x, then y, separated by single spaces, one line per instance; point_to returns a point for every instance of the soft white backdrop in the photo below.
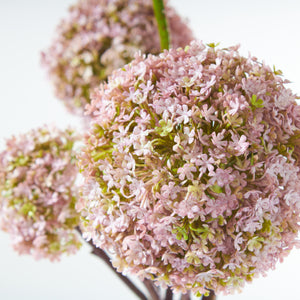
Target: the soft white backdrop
pixel 268 29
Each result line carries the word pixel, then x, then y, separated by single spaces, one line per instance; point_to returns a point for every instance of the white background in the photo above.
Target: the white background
pixel 268 29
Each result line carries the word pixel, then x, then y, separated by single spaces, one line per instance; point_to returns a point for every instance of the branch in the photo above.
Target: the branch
pixel 169 294
pixel 151 289
pixel 158 6
pixel 101 254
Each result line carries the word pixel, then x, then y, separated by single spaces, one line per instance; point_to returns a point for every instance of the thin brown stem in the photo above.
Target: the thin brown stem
pixel 151 289
pixel 211 296
pixel 101 254
pixel 169 294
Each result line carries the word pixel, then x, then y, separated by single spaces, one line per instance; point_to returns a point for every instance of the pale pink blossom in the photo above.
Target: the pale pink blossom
pixel 99 36
pixel 207 182
pixel 38 192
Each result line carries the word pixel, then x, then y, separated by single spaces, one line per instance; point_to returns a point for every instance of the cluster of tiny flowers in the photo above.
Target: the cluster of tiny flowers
pixel 37 200
pixel 102 35
pixel 192 169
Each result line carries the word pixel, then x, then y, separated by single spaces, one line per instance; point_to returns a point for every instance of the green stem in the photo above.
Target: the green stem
pixel 159 11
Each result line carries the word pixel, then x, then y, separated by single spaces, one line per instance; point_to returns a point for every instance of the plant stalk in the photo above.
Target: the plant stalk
pixel 101 254
pixel 151 289
pixel 159 12
pixel 169 294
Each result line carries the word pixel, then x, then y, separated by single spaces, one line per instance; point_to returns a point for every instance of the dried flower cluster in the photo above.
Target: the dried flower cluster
pixel 99 36
pixel 37 201
pixel 192 168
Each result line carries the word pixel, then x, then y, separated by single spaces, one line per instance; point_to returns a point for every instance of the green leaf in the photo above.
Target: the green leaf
pixel 54 247
pixel 180 232
pixel 255 243
pixel 28 209
pixel 216 188
pixel 98 130
pixel 267 225
pixel 197 230
pixel 257 103
pixel 213 45
pixel 198 294
pixel 277 72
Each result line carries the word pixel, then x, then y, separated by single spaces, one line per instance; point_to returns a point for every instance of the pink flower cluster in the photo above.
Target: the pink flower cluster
pixel 37 200
pixel 99 36
pixel 192 169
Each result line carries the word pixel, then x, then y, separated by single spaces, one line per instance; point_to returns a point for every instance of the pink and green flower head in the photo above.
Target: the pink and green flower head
pixel 99 36
pixel 191 169
pixel 38 195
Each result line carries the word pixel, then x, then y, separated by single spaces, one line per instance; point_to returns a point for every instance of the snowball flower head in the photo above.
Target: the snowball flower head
pixel 99 36
pixel 37 201
pixel 192 169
